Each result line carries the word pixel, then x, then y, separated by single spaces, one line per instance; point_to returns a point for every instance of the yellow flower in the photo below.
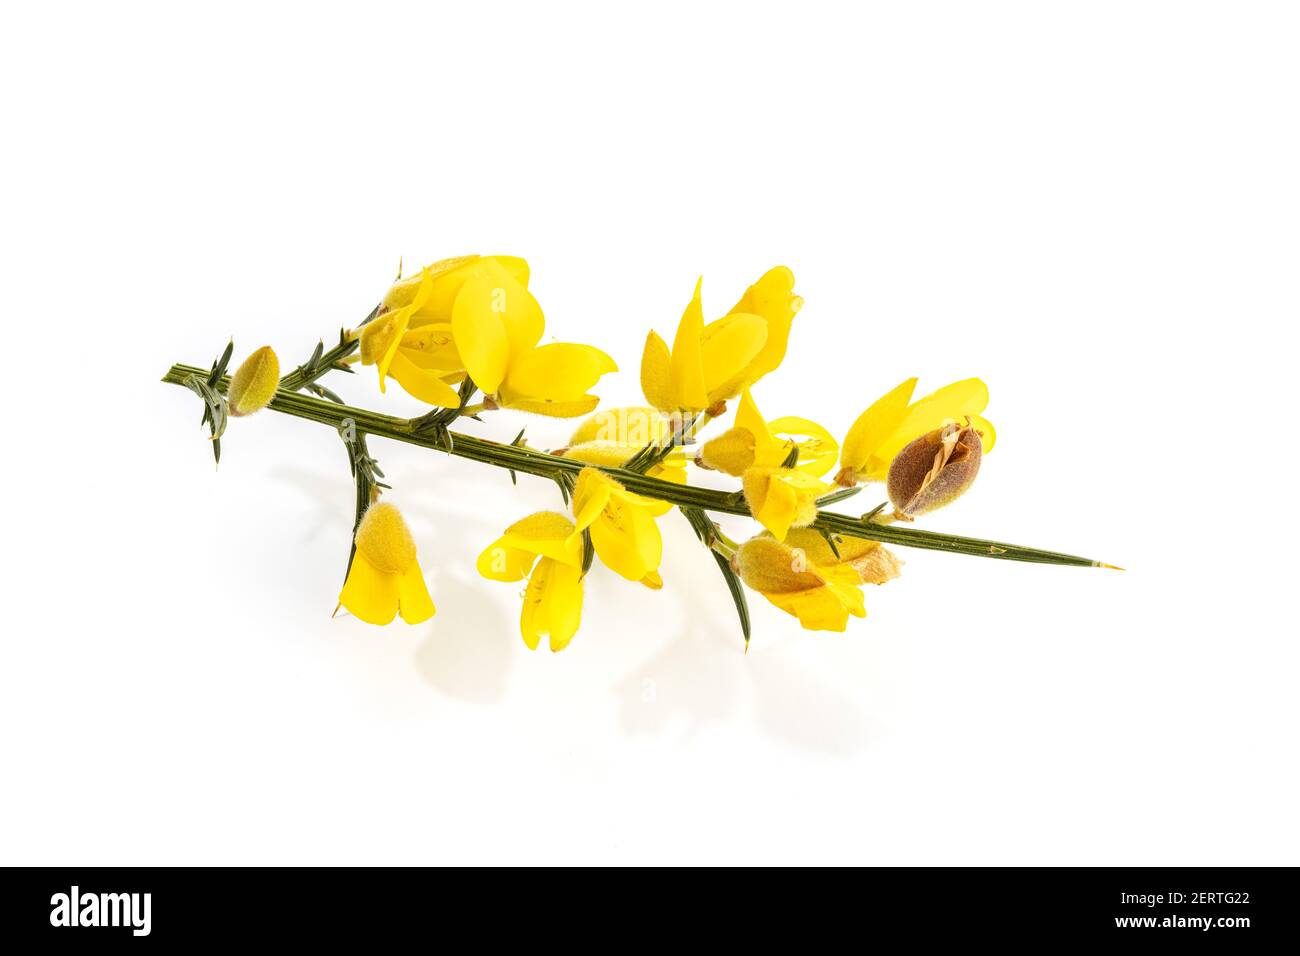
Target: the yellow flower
pixel 894 421
pixel 782 498
pixel 254 383
pixel 385 577
pixel 711 363
pixel 803 576
pixel 543 549
pixel 622 526
pixel 474 315
pixel 612 436
pixel 447 276
pixel 423 360
pixel 755 442
pixel 496 324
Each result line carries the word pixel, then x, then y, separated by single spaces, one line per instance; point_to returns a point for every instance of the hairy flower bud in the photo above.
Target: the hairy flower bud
pixel 934 470
pixel 385 540
pixel 254 383
pixel 807 576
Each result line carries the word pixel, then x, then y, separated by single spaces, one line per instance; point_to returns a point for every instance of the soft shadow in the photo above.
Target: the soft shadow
pixel 794 705
pixel 469 650
pixel 469 657
pixel 700 678
pixel 330 495
pixel 704 675
pixel 692 681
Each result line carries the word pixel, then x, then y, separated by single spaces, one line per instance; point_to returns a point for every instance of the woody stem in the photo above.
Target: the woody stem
pixel 530 461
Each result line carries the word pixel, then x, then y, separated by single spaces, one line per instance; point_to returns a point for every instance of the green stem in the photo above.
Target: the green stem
pixel 305 374
pixel 533 462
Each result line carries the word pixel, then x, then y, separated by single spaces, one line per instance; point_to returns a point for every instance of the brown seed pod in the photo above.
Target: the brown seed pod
pixel 934 469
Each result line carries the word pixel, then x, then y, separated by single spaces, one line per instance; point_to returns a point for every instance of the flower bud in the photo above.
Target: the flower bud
pixel 934 470
pixel 873 562
pixel 733 451
pixel 773 567
pixel 376 336
pixel 782 498
pixel 254 383
pixel 385 540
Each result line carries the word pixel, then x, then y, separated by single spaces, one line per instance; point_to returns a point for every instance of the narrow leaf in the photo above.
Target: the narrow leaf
pixel 737 592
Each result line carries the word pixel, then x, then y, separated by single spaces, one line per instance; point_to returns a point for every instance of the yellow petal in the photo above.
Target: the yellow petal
pixel 516 266
pixel 385 540
pixel 653 581
pixel 569 409
pixel 817 446
pixel 623 531
pixel 500 561
pixel 768 451
pixel 786 574
pixel 370 594
pixel 672 468
pixel 519 311
pixel 559 372
pixel 413 599
pixel 688 360
pixel 547 533
pixel 552 605
pixel 988 434
pixel 590 495
pixel 952 403
pixel 824 608
pixel 448 277
pixel 480 334
pixel 608 454
pixel 657 374
pixel 772 503
pixel 871 429
pixel 532 619
pixel 563 605
pixel 627 540
pixel 431 347
pixel 781 498
pixel 397 324
pixel 727 346
pixel 422 383
pixel 773 298
pixel 637 425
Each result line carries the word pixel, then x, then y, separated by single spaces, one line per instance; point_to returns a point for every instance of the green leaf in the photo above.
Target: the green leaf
pixel 875 511
pixel 837 496
pixel 737 592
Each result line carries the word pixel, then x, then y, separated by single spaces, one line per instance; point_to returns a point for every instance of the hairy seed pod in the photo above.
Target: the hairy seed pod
pixel 934 470
pixel 254 383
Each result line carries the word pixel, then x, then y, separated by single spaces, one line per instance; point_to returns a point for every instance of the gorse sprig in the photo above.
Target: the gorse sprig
pixel 470 324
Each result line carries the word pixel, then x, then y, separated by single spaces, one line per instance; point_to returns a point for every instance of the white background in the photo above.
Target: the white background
pixel 1093 206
